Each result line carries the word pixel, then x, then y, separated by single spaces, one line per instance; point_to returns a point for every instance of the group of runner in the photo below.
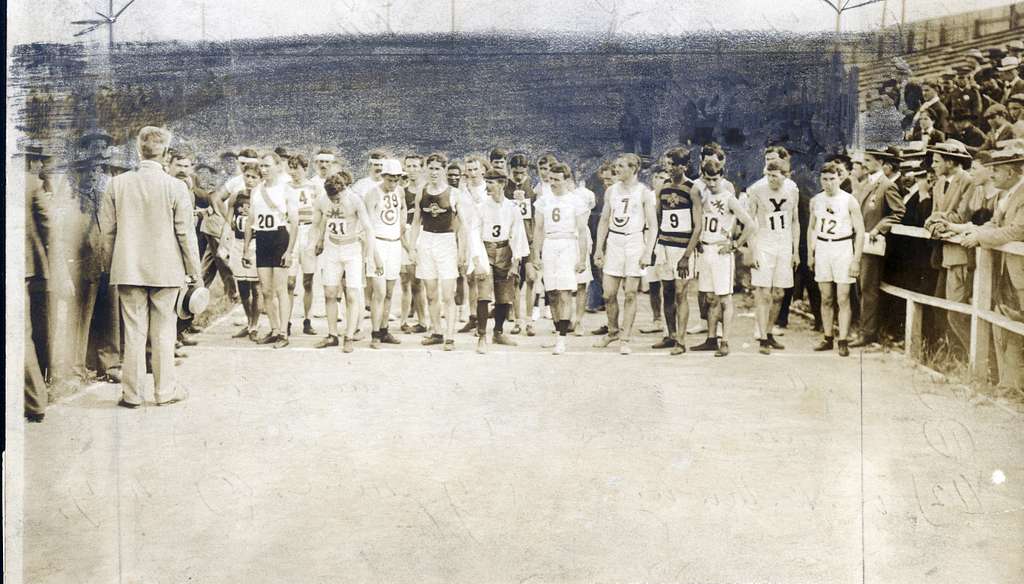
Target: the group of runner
pixel 482 229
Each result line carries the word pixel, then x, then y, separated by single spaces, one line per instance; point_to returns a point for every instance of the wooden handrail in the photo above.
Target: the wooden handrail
pixel 1014 247
pixel 989 316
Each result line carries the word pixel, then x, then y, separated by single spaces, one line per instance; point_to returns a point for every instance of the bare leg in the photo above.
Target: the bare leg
pixel 434 302
pixel 448 299
pixel 270 302
pixel 611 302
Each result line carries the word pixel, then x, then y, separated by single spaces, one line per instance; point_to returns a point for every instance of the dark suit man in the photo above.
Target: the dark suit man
pixel 882 207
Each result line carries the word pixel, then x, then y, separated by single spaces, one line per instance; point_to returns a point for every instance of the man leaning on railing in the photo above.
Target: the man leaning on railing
pixel 1006 226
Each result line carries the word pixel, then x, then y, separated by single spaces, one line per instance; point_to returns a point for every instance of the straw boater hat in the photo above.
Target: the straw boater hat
pixel 1010 152
pixel 951 148
pixel 192 300
pixel 976 54
pixel 1008 64
pixel 33 150
pixel 119 159
pixel 883 152
pixel 1016 45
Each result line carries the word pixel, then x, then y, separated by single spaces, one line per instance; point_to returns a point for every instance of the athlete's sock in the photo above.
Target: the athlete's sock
pixel 565 327
pixel 500 314
pixel 481 317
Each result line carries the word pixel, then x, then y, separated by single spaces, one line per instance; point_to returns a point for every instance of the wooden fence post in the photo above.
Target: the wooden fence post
pixel 912 332
pixel 981 331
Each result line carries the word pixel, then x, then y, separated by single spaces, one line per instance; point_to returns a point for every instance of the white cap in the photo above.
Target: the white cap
pixel 392 167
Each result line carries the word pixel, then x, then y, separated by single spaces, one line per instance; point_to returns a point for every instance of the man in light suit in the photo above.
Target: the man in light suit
pixel 1007 225
pixel 950 197
pixel 882 207
pixel 149 235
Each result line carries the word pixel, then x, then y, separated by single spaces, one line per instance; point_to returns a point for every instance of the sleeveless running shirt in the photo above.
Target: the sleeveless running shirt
pixel 675 214
pixel 627 209
pixel 437 213
pixel 718 218
pixel 340 228
pixel 775 211
pixel 386 218
pixel 307 194
pixel 270 217
pixel 833 214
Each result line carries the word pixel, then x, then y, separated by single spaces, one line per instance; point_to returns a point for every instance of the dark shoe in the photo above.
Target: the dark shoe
pixel 765 348
pixel 281 343
pixel 602 330
pixel 419 329
pixel 772 343
pixel 330 341
pixel 129 405
pixel 182 396
pixel 824 345
pixel 254 335
pixel 665 343
pixel 500 339
pixel 433 340
pixel 405 328
pixel 34 418
pixel 241 334
pixel 193 330
pixel 516 330
pixel 723 349
pixel 709 344
pixel 844 348
pixel 388 339
pixel 307 327
pixel 449 345
pixel 180 354
pixel 177 344
pixel 270 339
pixel 470 325
pixel 374 339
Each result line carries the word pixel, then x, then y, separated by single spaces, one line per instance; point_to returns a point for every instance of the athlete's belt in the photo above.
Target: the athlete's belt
pixel 848 237
pixel 621 233
pixel 496 244
pixel 305 222
pixel 387 238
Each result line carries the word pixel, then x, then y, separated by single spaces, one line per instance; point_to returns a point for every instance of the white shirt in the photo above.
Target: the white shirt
pixel 627 207
pixel 560 213
pixel 387 215
pixel 273 215
pixel 833 214
pixel 363 186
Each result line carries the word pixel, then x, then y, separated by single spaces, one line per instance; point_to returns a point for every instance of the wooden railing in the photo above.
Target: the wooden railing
pixel 979 310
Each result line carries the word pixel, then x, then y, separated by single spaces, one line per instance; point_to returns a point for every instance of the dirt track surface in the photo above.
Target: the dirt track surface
pixel 416 465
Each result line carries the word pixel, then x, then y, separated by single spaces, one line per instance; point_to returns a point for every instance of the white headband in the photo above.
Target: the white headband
pixel 325 158
pixel 247 160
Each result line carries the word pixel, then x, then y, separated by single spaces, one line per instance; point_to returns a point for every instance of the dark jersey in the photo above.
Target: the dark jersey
pixel 410 204
pixel 437 214
pixel 675 214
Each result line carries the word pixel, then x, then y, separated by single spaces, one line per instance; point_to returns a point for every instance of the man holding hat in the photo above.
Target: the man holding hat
pixel 385 204
pixel 881 207
pixel 150 259
pixel 953 185
pixel 1007 225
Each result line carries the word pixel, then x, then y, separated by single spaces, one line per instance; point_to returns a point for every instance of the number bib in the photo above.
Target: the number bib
pixel 305 204
pixel 238 224
pixel 676 221
pixel 777 222
pixel 525 208
pixel 266 221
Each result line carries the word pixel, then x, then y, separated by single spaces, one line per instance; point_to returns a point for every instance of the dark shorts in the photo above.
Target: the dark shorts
pixel 270 247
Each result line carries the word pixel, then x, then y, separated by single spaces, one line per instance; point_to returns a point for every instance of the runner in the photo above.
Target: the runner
pixel 499 160
pixel 246 277
pixel 503 236
pixel 273 223
pixel 440 251
pixel 716 264
pixel 709 150
pixel 236 183
pixel 535 299
pixel 385 204
pixel 520 191
pixel 624 246
pixel 834 240
pixel 472 193
pixel 589 201
pixel 340 222
pixel 773 204
pixel 304 259
pixel 561 226
pixel 680 220
pixel 413 298
pixel 325 163
pixel 650 283
pixel 375 164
